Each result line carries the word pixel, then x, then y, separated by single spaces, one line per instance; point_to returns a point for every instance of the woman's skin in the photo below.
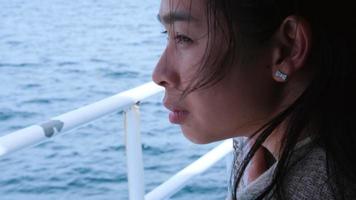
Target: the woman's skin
pixel 247 97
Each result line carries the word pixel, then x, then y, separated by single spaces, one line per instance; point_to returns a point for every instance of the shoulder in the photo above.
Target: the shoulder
pixel 308 178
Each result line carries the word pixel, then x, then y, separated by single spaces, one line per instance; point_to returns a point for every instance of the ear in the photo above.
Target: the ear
pixel 293 42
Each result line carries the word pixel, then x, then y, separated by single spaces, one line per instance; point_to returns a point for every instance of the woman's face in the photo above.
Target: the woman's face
pixel 236 106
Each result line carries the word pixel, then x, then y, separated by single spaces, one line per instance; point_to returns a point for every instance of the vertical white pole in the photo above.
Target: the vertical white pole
pixel 229 159
pixel 134 154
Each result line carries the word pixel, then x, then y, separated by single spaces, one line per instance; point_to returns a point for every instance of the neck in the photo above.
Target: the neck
pixel 273 142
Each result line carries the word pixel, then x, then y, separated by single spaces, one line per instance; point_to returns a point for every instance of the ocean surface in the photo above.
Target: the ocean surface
pixel 58 55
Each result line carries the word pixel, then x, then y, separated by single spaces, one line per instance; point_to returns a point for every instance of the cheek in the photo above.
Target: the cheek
pixel 190 60
pixel 212 117
pixel 229 109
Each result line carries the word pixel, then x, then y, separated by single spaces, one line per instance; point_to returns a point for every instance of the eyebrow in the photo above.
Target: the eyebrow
pixel 172 17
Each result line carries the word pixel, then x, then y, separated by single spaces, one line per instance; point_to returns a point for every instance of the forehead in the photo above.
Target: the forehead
pixel 194 8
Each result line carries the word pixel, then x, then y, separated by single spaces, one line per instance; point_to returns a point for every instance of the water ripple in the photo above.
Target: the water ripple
pixel 126 74
pixel 113 149
pixel 42 101
pixel 68 63
pixel 6 114
pixel 95 60
pixel 17 180
pixel 31 85
pixel 38 189
pixel 14 43
pixel 19 65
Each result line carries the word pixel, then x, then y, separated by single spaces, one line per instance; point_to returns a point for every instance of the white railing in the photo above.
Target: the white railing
pixel 128 103
pixel 180 179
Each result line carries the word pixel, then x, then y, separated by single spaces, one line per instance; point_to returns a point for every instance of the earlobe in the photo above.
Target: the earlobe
pixel 280 69
pixel 280 76
pixel 293 40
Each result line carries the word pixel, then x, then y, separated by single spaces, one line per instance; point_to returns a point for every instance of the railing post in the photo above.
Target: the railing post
pixel 134 154
pixel 229 159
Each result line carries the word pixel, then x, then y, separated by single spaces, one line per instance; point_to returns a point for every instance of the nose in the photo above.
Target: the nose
pixel 164 73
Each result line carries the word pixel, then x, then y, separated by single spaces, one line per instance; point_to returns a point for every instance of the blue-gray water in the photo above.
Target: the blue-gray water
pixel 58 55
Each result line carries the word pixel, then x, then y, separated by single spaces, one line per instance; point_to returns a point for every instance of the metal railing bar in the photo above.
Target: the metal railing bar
pixel 35 134
pixel 180 179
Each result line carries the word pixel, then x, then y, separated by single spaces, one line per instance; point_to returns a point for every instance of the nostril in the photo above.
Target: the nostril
pixel 159 79
pixel 163 83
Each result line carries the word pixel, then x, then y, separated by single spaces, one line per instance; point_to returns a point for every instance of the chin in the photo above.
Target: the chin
pixel 195 137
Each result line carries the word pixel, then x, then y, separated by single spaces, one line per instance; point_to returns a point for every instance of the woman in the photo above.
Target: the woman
pixel 278 72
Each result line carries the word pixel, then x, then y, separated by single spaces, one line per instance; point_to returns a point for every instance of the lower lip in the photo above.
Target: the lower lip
pixel 177 117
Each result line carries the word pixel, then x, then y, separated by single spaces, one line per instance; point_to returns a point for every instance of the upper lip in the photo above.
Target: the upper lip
pixel 172 106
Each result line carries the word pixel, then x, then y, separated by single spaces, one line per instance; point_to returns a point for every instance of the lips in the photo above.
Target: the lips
pixel 177 115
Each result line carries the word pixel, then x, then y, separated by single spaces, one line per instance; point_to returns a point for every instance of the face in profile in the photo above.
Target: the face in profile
pixel 234 106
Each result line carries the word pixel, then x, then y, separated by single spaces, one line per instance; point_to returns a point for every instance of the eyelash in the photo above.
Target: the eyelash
pixel 180 39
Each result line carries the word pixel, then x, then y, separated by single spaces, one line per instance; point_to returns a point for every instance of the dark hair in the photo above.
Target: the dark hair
pixel 328 104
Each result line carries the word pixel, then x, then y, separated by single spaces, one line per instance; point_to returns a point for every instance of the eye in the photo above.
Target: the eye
pixel 179 38
pixel 182 39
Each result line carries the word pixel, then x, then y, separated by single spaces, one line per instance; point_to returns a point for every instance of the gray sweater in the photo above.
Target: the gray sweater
pixel 306 180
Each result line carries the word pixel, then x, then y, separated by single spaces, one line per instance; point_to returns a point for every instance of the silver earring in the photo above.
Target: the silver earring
pixel 281 75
